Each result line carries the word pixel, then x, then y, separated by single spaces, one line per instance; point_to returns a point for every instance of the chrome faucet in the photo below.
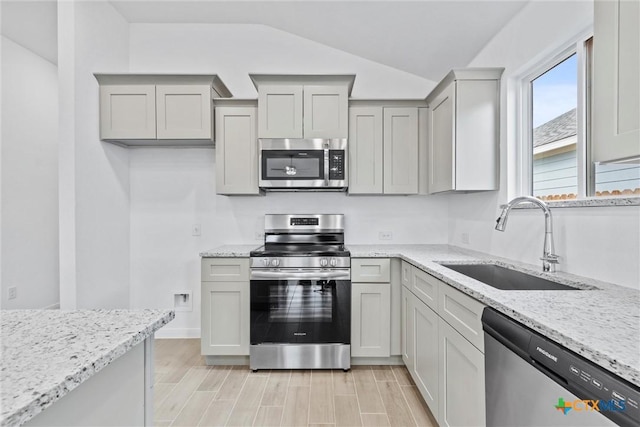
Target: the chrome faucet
pixel 549 259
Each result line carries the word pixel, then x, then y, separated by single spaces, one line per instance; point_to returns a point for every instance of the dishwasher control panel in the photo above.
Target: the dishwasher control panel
pixel 611 393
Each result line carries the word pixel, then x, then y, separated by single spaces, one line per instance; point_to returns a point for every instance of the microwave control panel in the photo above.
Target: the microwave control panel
pixel 336 164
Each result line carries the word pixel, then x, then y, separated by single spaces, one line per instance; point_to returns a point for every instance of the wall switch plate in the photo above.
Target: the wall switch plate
pixel 195 230
pixel 13 292
pixel 464 238
pixel 385 235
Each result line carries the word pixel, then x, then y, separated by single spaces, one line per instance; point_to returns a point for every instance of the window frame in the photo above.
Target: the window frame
pixel 579 45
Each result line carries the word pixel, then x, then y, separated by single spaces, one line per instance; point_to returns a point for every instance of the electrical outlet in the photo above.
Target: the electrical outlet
pixel 259 236
pixel 464 237
pixel 13 292
pixel 385 235
pixel 195 230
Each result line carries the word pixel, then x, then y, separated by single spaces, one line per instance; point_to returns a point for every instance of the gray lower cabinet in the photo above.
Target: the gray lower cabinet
pixel 236 151
pixel 442 347
pixel 425 346
pixel 371 307
pixel 461 380
pixel 406 327
pixel 371 320
pixel 225 306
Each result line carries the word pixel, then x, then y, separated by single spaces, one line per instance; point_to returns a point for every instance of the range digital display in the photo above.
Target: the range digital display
pixel 304 221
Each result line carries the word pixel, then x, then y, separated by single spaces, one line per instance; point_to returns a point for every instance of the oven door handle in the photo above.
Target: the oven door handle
pixel 294 275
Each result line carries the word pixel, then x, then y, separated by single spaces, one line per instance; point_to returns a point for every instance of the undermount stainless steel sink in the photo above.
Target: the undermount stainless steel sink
pixel 507 279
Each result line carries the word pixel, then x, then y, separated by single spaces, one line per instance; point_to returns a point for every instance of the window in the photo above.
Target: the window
pixel 554 149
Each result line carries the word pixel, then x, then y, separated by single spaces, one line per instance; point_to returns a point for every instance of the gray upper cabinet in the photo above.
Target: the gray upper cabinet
pixel 400 150
pixel 615 112
pixel 385 147
pixel 463 131
pixel 280 112
pixel 303 106
pixel 326 111
pixel 153 110
pixel 365 150
pixel 236 150
pixel 127 111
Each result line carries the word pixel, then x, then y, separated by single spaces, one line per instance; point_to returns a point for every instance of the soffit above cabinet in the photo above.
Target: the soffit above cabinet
pixel 304 79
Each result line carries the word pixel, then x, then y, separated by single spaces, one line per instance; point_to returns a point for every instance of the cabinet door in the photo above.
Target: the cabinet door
pixel 280 111
pixel 401 150
pixel 461 380
pixel 616 104
pixel 406 325
pixel 236 151
pixel 442 135
pixel 426 355
pixel 371 320
pixel 225 318
pixel 128 112
pixel 326 111
pixel 184 112
pixel 365 150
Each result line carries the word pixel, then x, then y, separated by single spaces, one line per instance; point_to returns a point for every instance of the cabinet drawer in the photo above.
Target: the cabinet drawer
pixel 463 313
pixel 406 274
pixel 225 269
pixel 425 287
pixel 369 270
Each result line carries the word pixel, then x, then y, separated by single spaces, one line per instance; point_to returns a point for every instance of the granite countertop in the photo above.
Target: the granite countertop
pixel 601 323
pixel 48 353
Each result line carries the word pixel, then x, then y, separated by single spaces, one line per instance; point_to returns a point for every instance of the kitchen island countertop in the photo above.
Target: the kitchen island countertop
pixel 48 353
pixel 600 323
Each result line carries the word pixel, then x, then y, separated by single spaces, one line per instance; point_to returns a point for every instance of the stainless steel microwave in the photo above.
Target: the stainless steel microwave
pixel 288 164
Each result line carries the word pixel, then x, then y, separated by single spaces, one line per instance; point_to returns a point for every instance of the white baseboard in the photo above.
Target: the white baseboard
pixel 178 333
pixel 55 306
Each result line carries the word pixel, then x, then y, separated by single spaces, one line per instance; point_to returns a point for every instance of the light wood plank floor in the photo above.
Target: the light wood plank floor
pixel 189 393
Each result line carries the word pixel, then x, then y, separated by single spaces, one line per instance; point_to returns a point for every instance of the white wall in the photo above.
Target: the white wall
pixel 603 243
pixel 94 176
pixel 29 178
pixel 173 189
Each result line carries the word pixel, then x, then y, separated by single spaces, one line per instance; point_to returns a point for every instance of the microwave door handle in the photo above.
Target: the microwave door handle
pixel 326 165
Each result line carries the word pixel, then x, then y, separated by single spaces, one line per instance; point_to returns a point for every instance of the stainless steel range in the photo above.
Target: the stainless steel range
pixel 300 295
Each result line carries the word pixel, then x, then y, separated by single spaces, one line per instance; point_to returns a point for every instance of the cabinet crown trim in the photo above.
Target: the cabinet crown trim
pixel 304 79
pixel 165 79
pixel 465 74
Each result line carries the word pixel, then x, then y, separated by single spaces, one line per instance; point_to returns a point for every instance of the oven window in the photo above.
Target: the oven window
pixel 292 164
pixel 300 311
pixel 304 302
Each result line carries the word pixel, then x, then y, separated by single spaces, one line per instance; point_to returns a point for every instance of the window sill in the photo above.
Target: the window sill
pixel 593 202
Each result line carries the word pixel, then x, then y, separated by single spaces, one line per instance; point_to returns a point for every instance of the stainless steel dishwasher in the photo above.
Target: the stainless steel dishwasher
pixel 533 381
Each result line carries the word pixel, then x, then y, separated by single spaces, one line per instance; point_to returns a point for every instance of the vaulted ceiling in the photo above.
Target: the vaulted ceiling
pixel 422 37
pixel 425 38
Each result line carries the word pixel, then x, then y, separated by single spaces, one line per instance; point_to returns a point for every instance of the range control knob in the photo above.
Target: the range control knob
pixel 323 262
pixel 333 262
pixel 265 262
pixel 275 262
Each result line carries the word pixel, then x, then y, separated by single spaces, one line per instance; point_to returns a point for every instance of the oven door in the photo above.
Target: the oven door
pixel 301 307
